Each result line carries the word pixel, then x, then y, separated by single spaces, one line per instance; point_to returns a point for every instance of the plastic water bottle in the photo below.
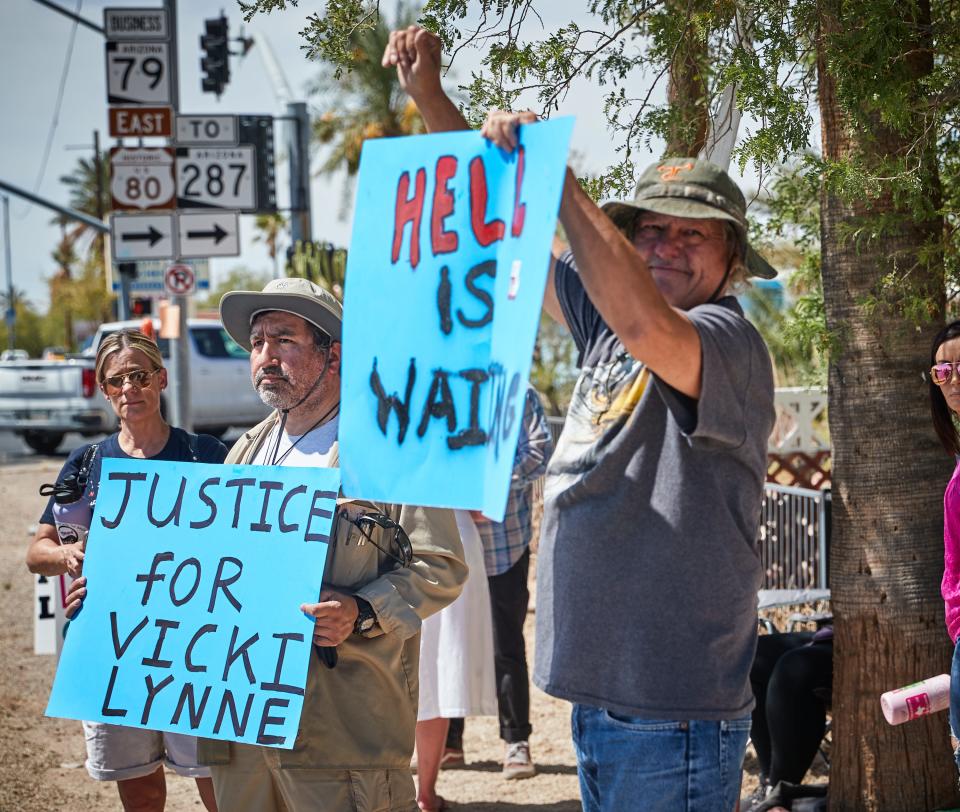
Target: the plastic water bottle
pixel 916 700
pixel 72 510
pixel 73 520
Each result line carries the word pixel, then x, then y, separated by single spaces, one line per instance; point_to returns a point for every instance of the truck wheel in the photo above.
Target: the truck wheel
pixel 43 442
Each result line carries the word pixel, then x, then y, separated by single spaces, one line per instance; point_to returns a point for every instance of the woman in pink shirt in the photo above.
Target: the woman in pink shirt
pixel 945 405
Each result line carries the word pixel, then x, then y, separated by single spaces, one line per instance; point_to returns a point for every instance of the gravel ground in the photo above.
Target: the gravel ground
pixel 41 759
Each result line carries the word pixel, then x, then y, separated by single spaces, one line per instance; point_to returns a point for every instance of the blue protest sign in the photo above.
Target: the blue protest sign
pixel 445 277
pixel 192 622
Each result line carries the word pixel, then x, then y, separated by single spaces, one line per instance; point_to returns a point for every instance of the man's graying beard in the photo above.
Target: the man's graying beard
pixel 274 399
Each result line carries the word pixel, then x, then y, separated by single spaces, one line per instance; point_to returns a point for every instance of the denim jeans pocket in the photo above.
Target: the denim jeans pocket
pixel 642 725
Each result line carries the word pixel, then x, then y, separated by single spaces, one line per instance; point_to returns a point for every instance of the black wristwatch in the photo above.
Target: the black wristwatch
pixel 366 619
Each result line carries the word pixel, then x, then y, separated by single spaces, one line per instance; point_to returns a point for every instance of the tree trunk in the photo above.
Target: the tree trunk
pixel 687 96
pixel 889 471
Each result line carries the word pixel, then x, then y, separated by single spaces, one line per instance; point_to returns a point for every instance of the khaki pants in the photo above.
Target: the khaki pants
pixel 254 780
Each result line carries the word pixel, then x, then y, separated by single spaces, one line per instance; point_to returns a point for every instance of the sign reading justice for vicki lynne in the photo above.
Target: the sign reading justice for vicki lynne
pixel 192 622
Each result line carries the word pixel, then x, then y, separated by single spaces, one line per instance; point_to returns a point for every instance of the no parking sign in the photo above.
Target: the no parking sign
pixel 180 280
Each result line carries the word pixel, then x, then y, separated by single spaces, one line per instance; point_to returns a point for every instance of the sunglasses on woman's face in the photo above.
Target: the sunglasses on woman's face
pixel 942 371
pixel 139 378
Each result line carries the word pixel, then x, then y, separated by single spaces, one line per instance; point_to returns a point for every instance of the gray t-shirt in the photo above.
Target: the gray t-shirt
pixel 647 575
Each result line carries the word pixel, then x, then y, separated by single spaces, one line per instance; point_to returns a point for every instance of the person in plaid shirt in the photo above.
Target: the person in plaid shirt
pixel 506 549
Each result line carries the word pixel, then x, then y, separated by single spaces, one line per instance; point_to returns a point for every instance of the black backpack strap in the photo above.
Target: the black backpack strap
pixel 86 463
pixel 192 442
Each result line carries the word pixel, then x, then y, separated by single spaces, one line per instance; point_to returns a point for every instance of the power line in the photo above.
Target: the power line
pixel 56 110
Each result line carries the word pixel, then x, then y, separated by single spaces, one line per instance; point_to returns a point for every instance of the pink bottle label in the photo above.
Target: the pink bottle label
pixel 918 705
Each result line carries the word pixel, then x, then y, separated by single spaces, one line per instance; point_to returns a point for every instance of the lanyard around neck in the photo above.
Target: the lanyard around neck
pixel 283 420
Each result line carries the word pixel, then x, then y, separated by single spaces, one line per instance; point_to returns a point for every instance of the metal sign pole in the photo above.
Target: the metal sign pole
pixel 179 405
pixel 11 314
pixel 298 149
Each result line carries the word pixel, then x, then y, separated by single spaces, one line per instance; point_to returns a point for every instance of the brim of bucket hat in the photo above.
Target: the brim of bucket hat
pixel 694 209
pixel 238 307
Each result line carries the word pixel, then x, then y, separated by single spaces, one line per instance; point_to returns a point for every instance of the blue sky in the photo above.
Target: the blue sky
pixel 33 47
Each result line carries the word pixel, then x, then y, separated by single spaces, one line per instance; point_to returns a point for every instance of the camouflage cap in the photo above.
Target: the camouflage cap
pixel 688 187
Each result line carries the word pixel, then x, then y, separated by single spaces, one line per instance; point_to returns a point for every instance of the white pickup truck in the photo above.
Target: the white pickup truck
pixel 43 400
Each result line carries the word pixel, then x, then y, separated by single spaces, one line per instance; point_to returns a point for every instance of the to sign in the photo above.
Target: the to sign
pixel 180 280
pixel 207 130
pixel 216 178
pixel 138 73
pixel 142 236
pixel 138 122
pixel 209 234
pixel 141 178
pixel 135 23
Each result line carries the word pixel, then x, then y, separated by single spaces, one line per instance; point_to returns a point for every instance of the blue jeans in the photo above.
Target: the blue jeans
pixel 955 700
pixel 642 765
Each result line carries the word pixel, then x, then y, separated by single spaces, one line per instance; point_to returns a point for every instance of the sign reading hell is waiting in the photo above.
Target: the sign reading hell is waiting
pixel 195 577
pixel 446 271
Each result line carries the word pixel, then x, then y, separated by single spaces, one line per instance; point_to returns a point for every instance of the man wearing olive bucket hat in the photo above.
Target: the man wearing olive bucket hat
pixel 356 733
pixel 647 575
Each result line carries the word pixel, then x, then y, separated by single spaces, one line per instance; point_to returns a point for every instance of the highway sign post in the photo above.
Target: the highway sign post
pixel 216 178
pixel 142 178
pixel 139 73
pixel 142 236
pixel 209 234
pixel 258 132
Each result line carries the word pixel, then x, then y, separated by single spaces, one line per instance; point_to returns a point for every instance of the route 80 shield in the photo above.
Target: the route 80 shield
pixel 142 179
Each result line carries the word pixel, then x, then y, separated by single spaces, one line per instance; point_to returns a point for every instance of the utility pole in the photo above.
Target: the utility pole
pixel 298 148
pixel 179 346
pixel 297 137
pixel 11 314
pixel 101 240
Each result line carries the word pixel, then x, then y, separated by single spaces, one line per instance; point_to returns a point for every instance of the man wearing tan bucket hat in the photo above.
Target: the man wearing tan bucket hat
pixel 356 735
pixel 647 574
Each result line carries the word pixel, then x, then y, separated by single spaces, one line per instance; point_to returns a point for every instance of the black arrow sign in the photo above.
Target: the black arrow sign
pixel 151 234
pixel 216 235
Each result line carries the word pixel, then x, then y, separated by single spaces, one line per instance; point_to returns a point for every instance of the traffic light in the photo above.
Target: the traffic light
pixel 215 62
pixel 141 306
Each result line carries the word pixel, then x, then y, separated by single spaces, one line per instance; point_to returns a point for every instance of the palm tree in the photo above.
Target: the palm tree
pixel 269 229
pixel 366 102
pixel 888 469
pixel 88 186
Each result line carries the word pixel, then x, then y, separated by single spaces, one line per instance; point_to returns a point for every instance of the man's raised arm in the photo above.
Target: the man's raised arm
pixel 415 52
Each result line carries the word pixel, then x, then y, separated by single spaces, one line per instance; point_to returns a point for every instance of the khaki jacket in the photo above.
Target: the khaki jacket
pixel 362 713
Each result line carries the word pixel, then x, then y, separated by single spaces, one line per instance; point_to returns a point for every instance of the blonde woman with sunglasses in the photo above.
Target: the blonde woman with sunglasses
pixel 131 375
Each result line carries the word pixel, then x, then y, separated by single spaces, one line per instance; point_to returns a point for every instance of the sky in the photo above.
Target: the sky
pixel 35 46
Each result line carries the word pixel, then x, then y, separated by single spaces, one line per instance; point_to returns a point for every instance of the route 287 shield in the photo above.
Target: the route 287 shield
pixel 216 178
pixel 141 179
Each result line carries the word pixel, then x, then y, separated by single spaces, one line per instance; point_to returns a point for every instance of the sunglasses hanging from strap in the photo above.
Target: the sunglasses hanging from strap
pixel 401 541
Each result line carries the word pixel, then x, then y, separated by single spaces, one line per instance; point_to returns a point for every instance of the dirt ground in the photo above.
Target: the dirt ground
pixel 41 759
